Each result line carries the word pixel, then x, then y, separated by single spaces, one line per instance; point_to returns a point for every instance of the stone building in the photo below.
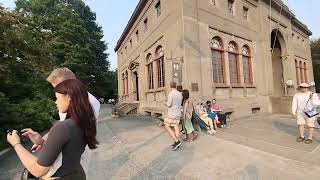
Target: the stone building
pixel 241 52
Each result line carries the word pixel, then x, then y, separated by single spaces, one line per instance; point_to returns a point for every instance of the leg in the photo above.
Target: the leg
pixel 310 123
pixel 301 130
pixel 187 138
pixel 223 118
pixel 194 135
pixel 211 124
pixel 311 130
pixel 177 131
pixel 215 123
pixel 171 133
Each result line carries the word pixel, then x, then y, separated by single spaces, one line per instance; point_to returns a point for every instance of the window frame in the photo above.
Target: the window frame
pixel 235 53
pixel 230 6
pixel 245 13
pixel 297 72
pixel 301 72
pixel 158 8
pixel 160 67
pixel 145 22
pixel 305 73
pixel 223 68
pixel 127 82
pixel 150 75
pixel 249 64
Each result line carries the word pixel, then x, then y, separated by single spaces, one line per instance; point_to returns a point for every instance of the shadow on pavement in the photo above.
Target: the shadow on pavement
pixel 167 165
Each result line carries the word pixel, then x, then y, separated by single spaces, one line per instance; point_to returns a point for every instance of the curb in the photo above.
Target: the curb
pixel 4 151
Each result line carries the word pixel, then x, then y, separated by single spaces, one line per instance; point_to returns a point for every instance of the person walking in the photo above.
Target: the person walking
pixel 187 116
pixel 174 113
pixel 304 110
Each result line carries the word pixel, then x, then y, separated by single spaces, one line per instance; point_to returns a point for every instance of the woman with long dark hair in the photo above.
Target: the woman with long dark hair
pixel 187 115
pixel 69 137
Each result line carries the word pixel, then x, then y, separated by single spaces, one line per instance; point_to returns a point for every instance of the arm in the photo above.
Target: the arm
pixel 57 138
pixel 28 160
pixel 315 99
pixel 294 105
pixel 185 110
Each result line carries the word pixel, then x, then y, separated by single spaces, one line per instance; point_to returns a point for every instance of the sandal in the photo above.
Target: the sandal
pixel 186 139
pixel 308 141
pixel 300 139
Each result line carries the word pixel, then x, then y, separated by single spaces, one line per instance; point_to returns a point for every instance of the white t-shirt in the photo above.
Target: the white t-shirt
pixel 174 104
pixel 95 104
pixel 300 102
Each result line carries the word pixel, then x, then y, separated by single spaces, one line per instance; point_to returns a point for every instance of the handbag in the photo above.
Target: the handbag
pixel 26 175
pixel 313 112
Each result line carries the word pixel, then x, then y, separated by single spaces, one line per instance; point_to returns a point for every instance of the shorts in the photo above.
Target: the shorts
pixel 206 120
pixel 171 121
pixel 303 119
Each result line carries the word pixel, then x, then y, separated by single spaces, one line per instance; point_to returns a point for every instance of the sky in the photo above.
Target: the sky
pixel 113 16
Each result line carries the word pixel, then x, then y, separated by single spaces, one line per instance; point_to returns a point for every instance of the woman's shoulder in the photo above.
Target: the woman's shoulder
pixel 60 125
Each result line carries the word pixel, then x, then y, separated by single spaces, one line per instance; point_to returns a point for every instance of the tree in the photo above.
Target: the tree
pixel 315 53
pixel 24 95
pixel 75 38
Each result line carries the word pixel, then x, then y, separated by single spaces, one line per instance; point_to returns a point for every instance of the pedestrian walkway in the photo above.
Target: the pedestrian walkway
pixel 135 147
pixel 260 147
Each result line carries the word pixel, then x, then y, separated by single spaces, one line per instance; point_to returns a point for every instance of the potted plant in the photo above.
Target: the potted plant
pixel 290 87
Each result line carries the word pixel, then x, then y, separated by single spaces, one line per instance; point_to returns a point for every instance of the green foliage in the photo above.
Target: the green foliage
pixel 35 38
pixel 315 53
pixel 75 39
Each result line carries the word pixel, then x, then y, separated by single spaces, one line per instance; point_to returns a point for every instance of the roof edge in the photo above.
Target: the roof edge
pixel 133 18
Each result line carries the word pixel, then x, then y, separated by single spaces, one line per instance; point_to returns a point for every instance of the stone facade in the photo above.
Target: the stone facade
pixel 266 44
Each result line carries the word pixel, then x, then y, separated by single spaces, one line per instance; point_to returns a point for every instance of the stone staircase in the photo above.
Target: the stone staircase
pixel 125 109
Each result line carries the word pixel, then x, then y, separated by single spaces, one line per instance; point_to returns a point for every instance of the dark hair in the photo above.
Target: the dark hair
pixel 179 88
pixel 185 95
pixel 80 109
pixel 208 103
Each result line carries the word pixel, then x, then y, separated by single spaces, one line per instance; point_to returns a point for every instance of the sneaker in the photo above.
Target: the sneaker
pixel 308 141
pixel 176 145
pixel 300 139
pixel 209 132
pixel 214 131
pixel 173 145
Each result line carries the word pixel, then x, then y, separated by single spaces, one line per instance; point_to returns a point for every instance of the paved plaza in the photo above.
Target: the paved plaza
pixel 255 148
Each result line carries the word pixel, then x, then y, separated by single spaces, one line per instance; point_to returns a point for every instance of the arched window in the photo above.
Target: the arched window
pixel 160 66
pixel 123 85
pixel 127 83
pixel 301 72
pixel 149 62
pixel 305 72
pixel 233 63
pixel 297 71
pixel 217 60
pixel 247 65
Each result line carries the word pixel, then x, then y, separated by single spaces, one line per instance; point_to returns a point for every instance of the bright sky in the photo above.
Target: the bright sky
pixel 113 16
